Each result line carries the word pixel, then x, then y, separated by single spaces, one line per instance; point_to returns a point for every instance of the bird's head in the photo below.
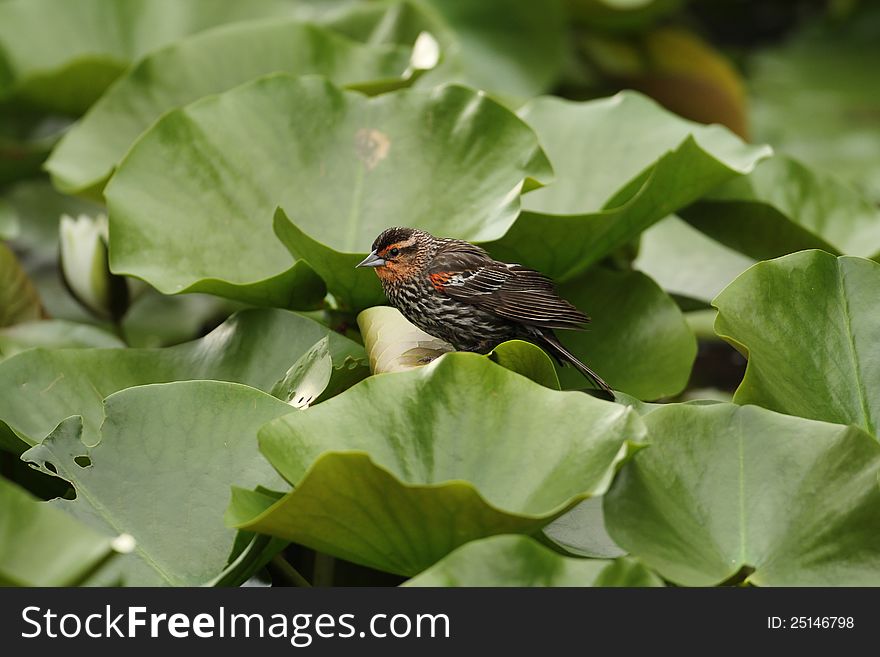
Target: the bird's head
pixel 398 253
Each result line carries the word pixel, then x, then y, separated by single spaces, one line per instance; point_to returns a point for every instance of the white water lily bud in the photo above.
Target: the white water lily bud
pixel 85 267
pixel 425 54
pixel 395 345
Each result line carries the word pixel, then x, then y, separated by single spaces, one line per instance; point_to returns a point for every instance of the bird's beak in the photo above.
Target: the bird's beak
pixel 371 260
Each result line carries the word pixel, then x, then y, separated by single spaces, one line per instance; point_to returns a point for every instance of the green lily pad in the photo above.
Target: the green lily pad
pixel 42 546
pixel 26 138
pixel 158 320
pixel 582 531
pixel 783 206
pixel 19 299
pixel 341 165
pixel 687 263
pixel 510 48
pixel 723 488
pixel 308 377
pixel 644 408
pixel 521 561
pixel 8 221
pixel 638 340
pixel 160 472
pixel 388 21
pixel 621 164
pixel 53 334
pixel 815 96
pixel 39 388
pixel 808 324
pixel 527 359
pixel 62 55
pixel 205 64
pixel 403 468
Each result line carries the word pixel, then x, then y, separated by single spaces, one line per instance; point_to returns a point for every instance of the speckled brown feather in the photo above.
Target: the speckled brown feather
pixel 509 290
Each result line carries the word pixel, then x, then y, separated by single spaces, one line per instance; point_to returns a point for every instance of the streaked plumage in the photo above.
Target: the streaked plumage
pixel 455 291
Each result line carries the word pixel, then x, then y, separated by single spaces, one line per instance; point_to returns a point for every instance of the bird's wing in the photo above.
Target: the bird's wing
pixel 466 273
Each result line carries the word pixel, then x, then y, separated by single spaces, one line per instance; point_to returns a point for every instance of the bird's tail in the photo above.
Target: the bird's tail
pixel 565 355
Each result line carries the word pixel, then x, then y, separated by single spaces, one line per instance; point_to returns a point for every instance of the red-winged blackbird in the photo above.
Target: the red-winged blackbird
pixel 455 291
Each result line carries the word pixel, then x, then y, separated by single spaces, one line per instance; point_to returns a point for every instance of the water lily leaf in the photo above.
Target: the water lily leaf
pixel 582 531
pixel 403 468
pixel 388 21
pixel 687 263
pixel 527 359
pixel 19 299
pixel 828 67
pixel 783 206
pixel 725 487
pixel 180 446
pixel 308 377
pixel 26 137
pixel 808 324
pixel 395 345
pixel 628 572
pixel 621 164
pixel 8 221
pixel 341 165
pixel 159 320
pixel 355 287
pixel 39 388
pixel 53 334
pixel 509 47
pixel 638 340
pixel 522 561
pixel 41 546
pixel 643 408
pixel 62 55
pixel 574 134
pixel 208 63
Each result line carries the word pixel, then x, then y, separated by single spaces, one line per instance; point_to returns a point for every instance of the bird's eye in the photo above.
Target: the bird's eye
pixel 394 252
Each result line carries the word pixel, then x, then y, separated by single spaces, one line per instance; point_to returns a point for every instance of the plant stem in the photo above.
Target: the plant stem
pixel 287 572
pixel 322 574
pixel 702 323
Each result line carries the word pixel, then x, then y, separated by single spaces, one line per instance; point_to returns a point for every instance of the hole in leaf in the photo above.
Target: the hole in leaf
pixel 83 461
pixel 50 467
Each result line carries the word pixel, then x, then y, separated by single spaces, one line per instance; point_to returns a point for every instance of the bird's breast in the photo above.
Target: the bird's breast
pixel 460 324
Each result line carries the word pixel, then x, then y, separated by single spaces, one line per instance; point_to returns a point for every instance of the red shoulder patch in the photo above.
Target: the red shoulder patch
pixel 440 279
